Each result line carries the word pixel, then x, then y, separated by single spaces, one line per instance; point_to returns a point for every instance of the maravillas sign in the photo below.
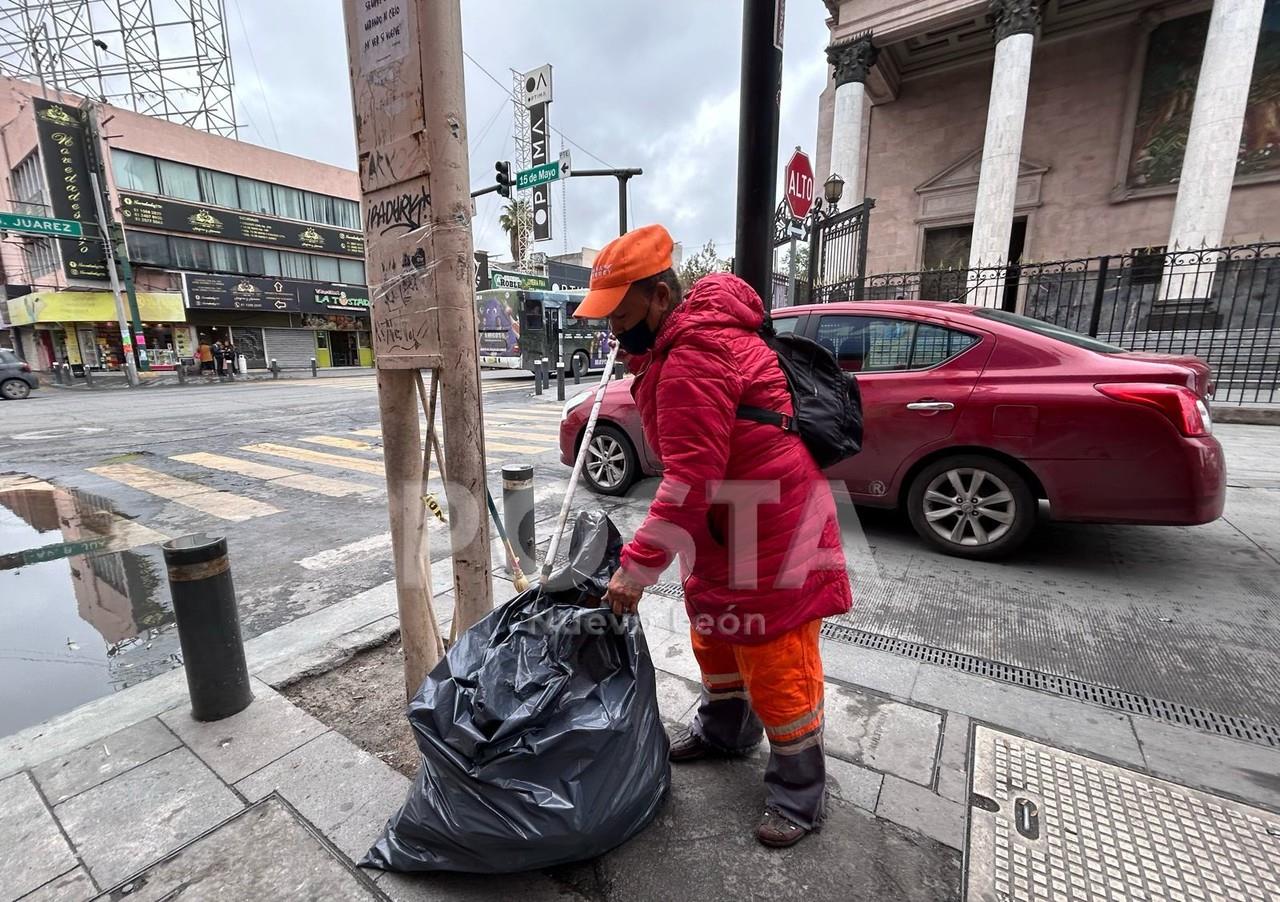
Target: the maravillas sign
pixel 63 139
pixel 212 292
pixel 230 225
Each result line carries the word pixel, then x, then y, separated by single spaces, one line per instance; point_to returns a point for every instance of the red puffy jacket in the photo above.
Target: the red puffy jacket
pixel 743 503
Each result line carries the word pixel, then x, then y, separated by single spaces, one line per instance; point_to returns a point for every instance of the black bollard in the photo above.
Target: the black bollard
pixel 275 368
pixel 88 376
pixel 537 377
pixel 518 514
pixel 619 370
pixel 560 381
pixel 314 373
pixel 182 372
pixel 204 606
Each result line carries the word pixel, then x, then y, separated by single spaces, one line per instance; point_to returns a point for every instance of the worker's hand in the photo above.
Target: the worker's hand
pixel 623 594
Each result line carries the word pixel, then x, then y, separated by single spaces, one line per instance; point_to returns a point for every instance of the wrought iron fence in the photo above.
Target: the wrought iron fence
pixel 1219 304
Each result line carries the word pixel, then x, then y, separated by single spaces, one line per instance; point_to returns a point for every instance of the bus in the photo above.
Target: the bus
pixel 518 327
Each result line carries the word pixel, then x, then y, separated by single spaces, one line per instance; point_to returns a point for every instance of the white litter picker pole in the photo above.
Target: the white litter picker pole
pixel 554 547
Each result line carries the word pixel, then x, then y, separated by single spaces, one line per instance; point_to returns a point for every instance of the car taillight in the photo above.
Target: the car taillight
pixel 25 367
pixel 1178 403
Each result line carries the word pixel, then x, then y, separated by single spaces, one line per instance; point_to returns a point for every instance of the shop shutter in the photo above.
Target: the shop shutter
pixel 290 347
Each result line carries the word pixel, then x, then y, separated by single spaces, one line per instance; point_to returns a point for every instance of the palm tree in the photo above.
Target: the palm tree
pixel 514 212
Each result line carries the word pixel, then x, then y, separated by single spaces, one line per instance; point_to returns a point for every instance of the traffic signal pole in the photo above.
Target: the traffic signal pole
pixel 761 88
pixel 623 176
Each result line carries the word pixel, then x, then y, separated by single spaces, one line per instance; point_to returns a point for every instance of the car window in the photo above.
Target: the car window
pixel 867 344
pixel 8 357
pixel 1049 330
pixel 934 344
pixel 785 324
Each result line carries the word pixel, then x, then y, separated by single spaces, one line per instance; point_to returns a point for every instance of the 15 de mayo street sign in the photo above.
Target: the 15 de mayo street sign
pixel 538 175
pixel 40 225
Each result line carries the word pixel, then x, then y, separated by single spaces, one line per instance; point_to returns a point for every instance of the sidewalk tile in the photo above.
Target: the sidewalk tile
pixel 880 733
pixel 71 887
pixel 94 764
pixel 1214 763
pixel 236 746
pixel 853 784
pixel 953 769
pixel 266 852
pixel 345 792
pixel 32 849
pixel 129 821
pixel 1058 721
pixel 867 667
pixel 445 887
pixel 676 698
pixel 916 808
pixel 675 655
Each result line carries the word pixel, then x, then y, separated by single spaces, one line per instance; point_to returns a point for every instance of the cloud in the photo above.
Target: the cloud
pixel 651 84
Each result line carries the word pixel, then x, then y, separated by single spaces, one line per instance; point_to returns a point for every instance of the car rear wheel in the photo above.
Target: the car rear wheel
pixel 972 506
pixel 14 389
pixel 611 465
pixel 579 363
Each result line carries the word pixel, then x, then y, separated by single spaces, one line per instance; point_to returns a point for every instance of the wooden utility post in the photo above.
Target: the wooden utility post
pixel 407 89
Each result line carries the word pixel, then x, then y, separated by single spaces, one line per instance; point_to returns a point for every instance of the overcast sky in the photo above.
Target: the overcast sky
pixel 652 84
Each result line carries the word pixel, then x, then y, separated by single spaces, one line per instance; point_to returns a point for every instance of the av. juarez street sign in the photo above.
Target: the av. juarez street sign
pixel 40 225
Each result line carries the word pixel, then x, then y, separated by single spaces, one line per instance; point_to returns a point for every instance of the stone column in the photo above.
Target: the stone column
pixel 1016 22
pixel 1213 142
pixel 852 59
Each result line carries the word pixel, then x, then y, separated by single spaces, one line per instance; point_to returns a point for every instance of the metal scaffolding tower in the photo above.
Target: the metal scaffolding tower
pixel 164 58
pixel 524 159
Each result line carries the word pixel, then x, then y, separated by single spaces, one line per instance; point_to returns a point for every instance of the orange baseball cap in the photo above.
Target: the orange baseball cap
pixel 640 253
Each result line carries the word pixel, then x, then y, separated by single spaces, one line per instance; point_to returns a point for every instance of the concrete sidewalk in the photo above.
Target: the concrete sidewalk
pixel 272 797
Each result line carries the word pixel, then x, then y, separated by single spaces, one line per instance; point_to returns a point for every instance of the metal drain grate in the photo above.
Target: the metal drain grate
pixel 1104 696
pixel 1051 826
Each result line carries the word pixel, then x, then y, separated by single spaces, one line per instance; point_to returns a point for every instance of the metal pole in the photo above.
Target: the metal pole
pixel 518 513
pixel 791 274
pixel 204 606
pixel 1099 291
pixel 758 143
pixel 622 204
pixel 126 340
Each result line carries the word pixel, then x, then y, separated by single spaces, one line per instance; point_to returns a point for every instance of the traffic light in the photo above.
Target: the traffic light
pixel 503 177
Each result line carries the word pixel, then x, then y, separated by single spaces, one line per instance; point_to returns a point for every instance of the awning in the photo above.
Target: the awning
pixel 93 307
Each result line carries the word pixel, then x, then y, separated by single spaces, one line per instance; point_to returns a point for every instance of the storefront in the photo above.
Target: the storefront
pixel 290 322
pixel 80 328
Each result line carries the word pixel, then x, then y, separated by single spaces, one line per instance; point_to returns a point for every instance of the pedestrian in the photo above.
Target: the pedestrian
pixel 229 352
pixel 219 358
pixel 745 508
pixel 204 354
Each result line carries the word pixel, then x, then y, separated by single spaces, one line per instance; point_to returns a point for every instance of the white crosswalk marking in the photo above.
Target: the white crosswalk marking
pixel 347 444
pixel 223 505
pixel 320 485
pixel 372 467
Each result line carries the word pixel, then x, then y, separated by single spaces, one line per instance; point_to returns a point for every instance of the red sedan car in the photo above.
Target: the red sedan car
pixel 973 415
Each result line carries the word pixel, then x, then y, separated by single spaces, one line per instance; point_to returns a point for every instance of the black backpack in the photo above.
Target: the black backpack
pixel 826 400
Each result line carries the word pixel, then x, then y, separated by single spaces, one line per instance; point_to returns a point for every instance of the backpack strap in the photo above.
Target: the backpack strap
pixel 784 421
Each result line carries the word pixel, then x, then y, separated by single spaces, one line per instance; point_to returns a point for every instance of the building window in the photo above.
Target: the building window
pixel 348 214
pixel 179 180
pixel 27 185
pixel 325 269
pixel 149 249
pixel 39 256
pixel 295 266
pixel 351 272
pixel 255 196
pixel 288 202
pixel 227 257
pixel 219 188
pixel 189 253
pixel 135 172
pixel 1165 100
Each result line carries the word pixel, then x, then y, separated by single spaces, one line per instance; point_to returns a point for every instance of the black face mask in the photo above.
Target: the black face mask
pixel 639 338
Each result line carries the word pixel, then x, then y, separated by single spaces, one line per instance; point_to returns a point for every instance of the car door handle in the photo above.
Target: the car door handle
pixel 931 405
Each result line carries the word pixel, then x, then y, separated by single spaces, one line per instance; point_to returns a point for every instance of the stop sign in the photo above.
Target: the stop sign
pixel 799 180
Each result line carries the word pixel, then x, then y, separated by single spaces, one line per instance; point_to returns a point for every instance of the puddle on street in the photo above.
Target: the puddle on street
pixel 84 609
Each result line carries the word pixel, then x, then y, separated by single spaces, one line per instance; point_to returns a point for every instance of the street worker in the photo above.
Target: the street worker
pixel 745 508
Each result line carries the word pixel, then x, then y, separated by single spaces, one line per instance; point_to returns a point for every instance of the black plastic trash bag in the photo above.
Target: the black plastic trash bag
pixel 539 731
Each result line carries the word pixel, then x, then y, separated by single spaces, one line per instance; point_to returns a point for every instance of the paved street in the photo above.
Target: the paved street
pixel 290 472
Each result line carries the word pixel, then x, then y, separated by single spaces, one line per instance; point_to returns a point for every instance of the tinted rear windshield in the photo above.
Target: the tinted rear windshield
pixel 1049 330
pixel 8 356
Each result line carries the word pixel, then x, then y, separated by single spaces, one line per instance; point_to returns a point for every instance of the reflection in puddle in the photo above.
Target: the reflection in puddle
pixel 83 610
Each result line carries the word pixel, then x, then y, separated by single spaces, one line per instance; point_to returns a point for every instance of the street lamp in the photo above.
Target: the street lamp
pixel 833 189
